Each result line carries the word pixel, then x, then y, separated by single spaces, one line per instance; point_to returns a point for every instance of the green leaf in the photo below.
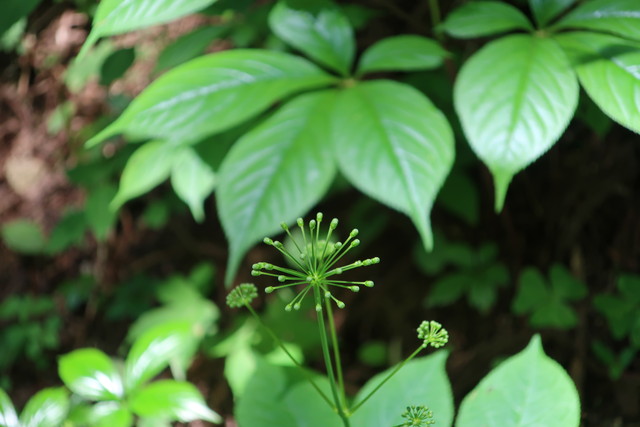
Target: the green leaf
pixel 629 286
pixel 565 285
pixel 14 10
pixel 317 28
pixel 47 408
pixel 607 67
pixel 554 314
pixel 152 352
pixel 98 214
pixel 8 415
pixel 189 46
pixel 532 291
pixel 70 230
pixel 484 18
pixel 23 236
pixel 620 313
pixel 459 196
pixel 405 53
pixel 516 112
pixel 448 289
pixel 174 400
pixel 395 146
pixel 275 173
pixel 213 93
pixel 528 389
pixel 117 16
pixel 545 10
pixel 116 64
pixel 91 374
pixel 279 396
pixel 147 167
pixel 422 381
pixel 621 17
pixel 110 414
pixel 193 180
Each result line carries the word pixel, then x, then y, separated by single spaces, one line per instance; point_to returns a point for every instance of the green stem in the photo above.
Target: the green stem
pixel 388 377
pixel 435 18
pixel 327 357
pixel 293 359
pixel 336 352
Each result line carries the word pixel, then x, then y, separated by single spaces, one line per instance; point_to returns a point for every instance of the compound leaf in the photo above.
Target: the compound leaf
pixel 318 28
pixel 532 291
pixel 173 400
pixel 484 18
pixel 395 146
pixel 405 53
pixel 526 390
pixel 120 16
pixel 607 67
pixel 275 173
pixel 516 112
pixel 564 284
pixel 213 93
pixel 621 17
pixel 91 374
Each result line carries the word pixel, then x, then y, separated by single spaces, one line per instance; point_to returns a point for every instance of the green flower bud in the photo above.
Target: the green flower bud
pixel 241 295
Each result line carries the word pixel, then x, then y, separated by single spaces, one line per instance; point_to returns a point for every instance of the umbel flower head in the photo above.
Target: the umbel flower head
pixel 432 333
pixel 418 416
pixel 315 263
pixel 242 295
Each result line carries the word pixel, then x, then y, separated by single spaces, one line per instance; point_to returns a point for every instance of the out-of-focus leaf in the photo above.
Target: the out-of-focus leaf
pixel 8 415
pixel 318 28
pixel 405 53
pixel 193 180
pixel 173 400
pixel 621 17
pixel 545 10
pixel 23 236
pixel 14 10
pixel 189 46
pixel 46 408
pixel 117 16
pixel 484 18
pixel 98 214
pixel 91 374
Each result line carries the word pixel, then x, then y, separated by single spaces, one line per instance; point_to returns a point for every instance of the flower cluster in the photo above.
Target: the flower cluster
pixel 418 416
pixel 432 333
pixel 314 263
pixel 242 295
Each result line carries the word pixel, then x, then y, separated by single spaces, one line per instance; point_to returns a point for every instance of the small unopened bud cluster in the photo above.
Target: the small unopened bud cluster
pixel 418 416
pixel 432 333
pixel 314 262
pixel 242 295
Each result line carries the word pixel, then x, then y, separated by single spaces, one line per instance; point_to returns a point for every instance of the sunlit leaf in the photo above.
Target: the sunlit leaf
pixel 213 93
pixel 46 408
pixel 173 400
pixel 515 113
pixel 318 28
pixel 120 16
pixel 152 352
pixel 8 415
pixel 484 18
pixel 91 374
pixel 405 53
pixel 421 382
pixel 528 389
pixel 609 70
pixel 193 180
pixel 621 17
pixel 275 173
pixel 394 146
